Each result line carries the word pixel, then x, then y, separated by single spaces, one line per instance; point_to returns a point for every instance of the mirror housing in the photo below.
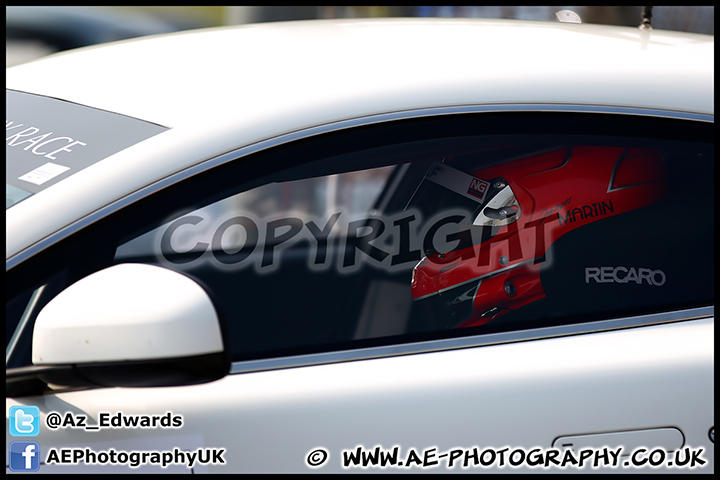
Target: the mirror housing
pixel 130 325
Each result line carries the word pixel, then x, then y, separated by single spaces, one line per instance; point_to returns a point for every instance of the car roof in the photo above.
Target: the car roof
pixel 220 89
pixel 338 66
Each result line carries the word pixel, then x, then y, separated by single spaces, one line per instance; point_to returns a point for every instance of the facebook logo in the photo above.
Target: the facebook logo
pixel 24 456
pixel 24 421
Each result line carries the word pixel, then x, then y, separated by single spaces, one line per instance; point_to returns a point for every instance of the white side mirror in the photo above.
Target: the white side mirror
pixel 132 325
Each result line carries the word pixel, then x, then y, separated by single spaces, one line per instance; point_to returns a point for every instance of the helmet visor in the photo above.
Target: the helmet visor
pixel 487 203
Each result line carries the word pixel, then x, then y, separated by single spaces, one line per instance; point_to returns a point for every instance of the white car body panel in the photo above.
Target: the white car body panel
pixel 280 81
pixel 269 421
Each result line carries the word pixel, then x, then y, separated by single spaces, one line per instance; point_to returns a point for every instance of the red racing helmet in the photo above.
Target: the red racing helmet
pixel 515 211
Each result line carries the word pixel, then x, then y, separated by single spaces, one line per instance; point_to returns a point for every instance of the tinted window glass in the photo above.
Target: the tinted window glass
pixel 480 235
pixel 425 229
pixel 49 139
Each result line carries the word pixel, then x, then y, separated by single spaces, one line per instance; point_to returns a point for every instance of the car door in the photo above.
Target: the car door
pixel 506 291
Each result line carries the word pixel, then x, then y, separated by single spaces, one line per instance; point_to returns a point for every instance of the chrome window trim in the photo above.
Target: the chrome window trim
pixel 471 341
pixel 326 128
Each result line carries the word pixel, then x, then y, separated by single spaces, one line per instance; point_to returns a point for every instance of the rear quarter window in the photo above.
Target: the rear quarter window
pixel 47 140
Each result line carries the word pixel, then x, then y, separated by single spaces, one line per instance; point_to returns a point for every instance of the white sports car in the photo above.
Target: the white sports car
pixel 392 245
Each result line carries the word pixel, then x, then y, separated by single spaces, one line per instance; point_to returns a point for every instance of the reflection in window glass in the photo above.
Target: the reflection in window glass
pixel 451 237
pixel 352 193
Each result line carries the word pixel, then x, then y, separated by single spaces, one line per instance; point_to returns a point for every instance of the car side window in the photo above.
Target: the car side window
pixel 478 234
pixel 432 229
